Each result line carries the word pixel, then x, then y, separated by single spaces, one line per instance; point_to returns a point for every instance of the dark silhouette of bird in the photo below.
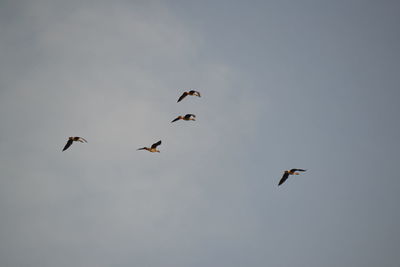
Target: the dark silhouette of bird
pixel 191 92
pixel 153 147
pixel 289 172
pixel 187 117
pixel 72 139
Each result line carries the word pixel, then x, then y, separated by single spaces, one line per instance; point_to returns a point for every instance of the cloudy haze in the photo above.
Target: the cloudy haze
pixel 285 84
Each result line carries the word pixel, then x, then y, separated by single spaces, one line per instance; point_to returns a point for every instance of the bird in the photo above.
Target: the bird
pixel 187 117
pixel 72 139
pixel 153 147
pixel 191 92
pixel 289 172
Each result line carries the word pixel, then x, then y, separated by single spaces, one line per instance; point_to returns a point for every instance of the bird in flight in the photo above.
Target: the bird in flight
pixel 187 117
pixel 71 140
pixel 191 92
pixel 153 147
pixel 289 172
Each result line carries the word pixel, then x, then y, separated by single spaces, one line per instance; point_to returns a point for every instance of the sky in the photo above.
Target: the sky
pixel 285 84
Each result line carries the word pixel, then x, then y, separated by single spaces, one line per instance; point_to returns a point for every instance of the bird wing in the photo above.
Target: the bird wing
pixel 175 119
pixel 68 144
pixel 141 148
pixel 156 144
pixel 283 179
pixel 81 138
pixel 182 96
pixel 193 92
pixel 297 170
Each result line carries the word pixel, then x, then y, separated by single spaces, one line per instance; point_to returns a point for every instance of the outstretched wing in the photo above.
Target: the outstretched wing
pixel 156 144
pixel 284 178
pixel 175 119
pixel 141 148
pixel 182 96
pixel 193 92
pixel 69 143
pixel 297 170
pixel 82 139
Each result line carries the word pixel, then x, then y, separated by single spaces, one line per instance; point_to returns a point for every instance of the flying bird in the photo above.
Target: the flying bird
pixel 191 92
pixel 187 117
pixel 71 140
pixel 289 172
pixel 153 147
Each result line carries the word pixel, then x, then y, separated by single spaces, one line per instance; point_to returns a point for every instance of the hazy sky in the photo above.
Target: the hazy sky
pixel 285 84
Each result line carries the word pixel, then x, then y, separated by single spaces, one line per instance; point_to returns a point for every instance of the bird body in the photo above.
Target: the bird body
pixel 72 139
pixel 153 147
pixel 289 172
pixel 187 117
pixel 191 92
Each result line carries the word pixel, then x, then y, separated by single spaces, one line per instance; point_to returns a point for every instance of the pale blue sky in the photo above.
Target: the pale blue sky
pixel 285 84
